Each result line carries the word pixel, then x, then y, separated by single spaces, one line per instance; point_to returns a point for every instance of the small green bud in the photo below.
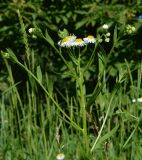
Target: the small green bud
pixel 31 30
pixel 133 29
pixel 100 40
pixel 130 29
pixel 5 55
pixel 108 34
pixel 107 39
pixel 34 36
pixel 63 34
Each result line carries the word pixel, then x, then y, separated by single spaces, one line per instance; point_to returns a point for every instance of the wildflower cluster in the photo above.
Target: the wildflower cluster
pixel 73 41
pixel 104 34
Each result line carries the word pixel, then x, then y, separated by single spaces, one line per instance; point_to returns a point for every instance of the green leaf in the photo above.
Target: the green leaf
pixel 101 62
pixel 81 23
pixel 65 19
pixel 49 39
pixel 95 93
pixel 63 34
pixel 115 36
pixel 12 55
pixel 52 27
pixel 39 74
pixel 106 136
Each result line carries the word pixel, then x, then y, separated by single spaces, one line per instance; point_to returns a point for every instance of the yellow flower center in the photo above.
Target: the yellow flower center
pixel 65 40
pixel 78 40
pixel 90 36
pixel 68 38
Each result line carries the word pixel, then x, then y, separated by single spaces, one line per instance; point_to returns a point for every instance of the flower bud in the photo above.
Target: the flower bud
pixel 105 26
pixel 107 39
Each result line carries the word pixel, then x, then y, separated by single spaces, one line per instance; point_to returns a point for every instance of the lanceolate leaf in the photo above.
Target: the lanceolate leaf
pixel 49 39
pixel 39 74
pixel 95 93
pixel 106 136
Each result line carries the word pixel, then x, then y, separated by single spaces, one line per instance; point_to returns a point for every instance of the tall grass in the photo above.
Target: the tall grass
pixel 104 124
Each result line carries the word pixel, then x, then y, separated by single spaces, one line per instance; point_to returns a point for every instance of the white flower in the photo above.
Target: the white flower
pixel 105 26
pixel 60 156
pixel 78 42
pixel 90 39
pixel 67 41
pixel 137 100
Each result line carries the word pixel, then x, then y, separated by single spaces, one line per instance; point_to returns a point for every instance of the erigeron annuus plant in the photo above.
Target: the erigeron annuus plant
pixel 74 46
pixel 101 61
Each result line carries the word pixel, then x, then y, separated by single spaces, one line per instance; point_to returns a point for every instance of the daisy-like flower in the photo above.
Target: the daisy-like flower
pixel 70 38
pixel 67 41
pixel 60 156
pixel 78 42
pixel 137 100
pixel 90 39
pixel 64 43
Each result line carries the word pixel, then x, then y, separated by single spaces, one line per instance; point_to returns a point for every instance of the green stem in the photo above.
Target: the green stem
pixel 83 106
pixel 80 81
